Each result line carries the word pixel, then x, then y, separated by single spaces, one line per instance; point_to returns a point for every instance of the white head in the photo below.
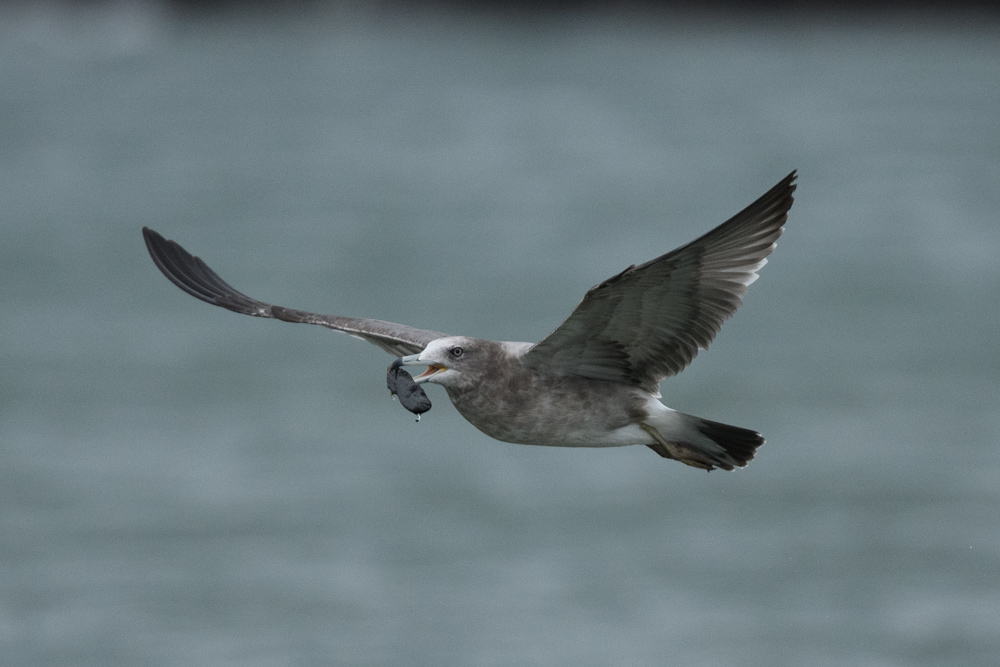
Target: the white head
pixel 448 358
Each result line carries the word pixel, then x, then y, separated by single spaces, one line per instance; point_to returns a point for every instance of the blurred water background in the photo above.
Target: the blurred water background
pixel 182 485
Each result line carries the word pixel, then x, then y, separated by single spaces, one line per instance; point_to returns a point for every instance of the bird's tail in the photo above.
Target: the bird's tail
pixel 705 444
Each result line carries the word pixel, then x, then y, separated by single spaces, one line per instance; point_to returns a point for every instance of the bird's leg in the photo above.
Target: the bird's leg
pixel 675 450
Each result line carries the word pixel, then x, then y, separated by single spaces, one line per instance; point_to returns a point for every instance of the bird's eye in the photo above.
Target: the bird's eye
pixel 457 351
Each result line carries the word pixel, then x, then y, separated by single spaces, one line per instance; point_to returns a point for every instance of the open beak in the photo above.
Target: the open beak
pixel 432 369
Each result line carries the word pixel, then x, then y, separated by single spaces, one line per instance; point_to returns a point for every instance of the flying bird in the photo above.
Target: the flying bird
pixel 594 381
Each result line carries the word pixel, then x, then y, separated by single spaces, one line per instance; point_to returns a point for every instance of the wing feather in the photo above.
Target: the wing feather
pixel 193 276
pixel 649 321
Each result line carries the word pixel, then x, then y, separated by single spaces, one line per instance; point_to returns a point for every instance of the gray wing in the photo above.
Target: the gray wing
pixel 194 277
pixel 649 321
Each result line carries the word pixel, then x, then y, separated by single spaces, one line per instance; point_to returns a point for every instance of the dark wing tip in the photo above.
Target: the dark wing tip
pixel 762 221
pixel 195 277
pixel 781 194
pixel 788 183
pixel 778 198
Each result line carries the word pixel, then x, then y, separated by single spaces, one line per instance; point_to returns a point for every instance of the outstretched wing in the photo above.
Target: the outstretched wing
pixel 194 277
pixel 649 321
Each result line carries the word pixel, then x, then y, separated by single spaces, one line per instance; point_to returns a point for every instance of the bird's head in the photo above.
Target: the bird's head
pixel 450 360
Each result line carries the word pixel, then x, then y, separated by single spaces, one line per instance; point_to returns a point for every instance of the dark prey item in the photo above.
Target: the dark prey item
pixel 411 395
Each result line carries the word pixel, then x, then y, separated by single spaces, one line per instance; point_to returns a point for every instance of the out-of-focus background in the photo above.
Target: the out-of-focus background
pixel 182 485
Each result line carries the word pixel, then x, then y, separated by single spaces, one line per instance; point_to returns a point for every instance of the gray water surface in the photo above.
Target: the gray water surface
pixel 180 485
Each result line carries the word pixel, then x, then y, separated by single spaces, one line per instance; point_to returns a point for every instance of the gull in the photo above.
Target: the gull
pixel 594 381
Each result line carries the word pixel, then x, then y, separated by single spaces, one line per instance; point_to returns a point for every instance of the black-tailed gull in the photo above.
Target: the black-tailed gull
pixel 594 381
